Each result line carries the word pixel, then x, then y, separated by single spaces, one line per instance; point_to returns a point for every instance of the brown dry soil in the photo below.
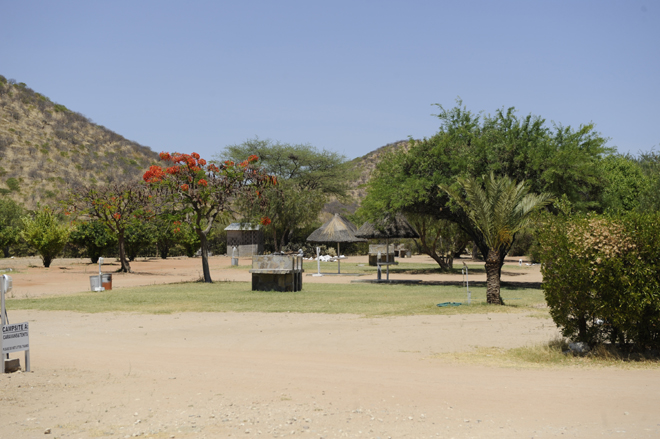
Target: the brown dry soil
pixel 218 375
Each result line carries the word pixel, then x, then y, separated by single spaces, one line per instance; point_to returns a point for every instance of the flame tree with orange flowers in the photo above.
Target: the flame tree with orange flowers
pixel 206 190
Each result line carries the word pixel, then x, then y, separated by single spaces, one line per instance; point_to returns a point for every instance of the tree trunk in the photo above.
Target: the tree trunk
pixel 47 260
pixel 283 239
pixel 445 263
pixel 205 257
pixel 125 266
pixel 275 243
pixel 163 248
pixel 493 278
pixel 475 252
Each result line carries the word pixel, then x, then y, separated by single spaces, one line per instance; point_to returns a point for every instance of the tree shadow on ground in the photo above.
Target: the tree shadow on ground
pixel 508 285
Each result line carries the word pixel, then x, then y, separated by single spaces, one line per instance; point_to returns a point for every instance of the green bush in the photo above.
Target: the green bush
pixel 187 239
pixel 601 278
pixel 94 237
pixel 45 234
pixel 13 184
pixel 139 238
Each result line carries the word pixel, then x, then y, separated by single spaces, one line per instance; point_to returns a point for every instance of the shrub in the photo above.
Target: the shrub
pixel 94 237
pixel 601 278
pixel 12 184
pixel 45 234
pixel 522 244
pixel 140 237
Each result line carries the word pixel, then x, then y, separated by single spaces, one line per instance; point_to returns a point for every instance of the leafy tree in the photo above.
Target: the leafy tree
pixel 558 160
pixel 116 205
pixel 442 240
pixel 10 223
pixel 626 183
pixel 650 164
pixel 497 211
pixel 186 238
pixel 308 179
pixel 202 191
pixel 140 236
pixel 94 237
pixel 45 234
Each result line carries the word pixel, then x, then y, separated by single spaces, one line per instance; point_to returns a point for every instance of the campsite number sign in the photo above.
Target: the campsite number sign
pixel 15 336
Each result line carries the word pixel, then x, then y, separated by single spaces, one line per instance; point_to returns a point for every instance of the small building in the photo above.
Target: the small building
pixel 248 239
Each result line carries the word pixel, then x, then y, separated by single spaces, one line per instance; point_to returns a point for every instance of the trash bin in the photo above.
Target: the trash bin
pixel 106 281
pixel 95 283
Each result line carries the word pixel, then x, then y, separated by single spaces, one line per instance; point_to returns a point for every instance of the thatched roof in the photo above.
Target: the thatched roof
pixel 389 226
pixel 338 229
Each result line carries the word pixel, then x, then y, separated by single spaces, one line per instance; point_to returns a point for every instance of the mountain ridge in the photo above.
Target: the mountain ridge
pixel 45 148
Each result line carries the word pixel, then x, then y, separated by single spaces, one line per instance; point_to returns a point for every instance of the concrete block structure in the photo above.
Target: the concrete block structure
pixel 277 273
pixel 382 248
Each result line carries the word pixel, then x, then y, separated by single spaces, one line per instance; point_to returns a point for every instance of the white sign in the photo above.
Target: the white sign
pixel 15 337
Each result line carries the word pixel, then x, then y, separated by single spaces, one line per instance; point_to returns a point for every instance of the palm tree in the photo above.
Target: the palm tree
pixel 498 210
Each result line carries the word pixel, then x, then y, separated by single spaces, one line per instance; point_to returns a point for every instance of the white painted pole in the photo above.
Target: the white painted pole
pixel 467 282
pixel 318 262
pixel 100 275
pixel 387 256
pixel 338 260
pixel 3 287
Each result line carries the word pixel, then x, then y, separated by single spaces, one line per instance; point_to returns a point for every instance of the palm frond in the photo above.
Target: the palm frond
pixel 498 207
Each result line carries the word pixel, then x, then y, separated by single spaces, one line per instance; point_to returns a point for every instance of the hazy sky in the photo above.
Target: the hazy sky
pixel 347 76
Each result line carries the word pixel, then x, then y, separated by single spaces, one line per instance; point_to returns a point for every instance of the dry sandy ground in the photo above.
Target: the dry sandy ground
pixel 218 375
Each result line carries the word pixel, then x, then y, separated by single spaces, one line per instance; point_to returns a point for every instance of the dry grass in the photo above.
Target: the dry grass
pixel 549 354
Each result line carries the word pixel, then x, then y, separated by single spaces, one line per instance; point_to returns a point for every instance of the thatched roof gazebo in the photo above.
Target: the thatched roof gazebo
pixel 338 229
pixel 388 226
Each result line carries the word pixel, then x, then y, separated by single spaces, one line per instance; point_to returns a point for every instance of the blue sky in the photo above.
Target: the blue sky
pixel 347 76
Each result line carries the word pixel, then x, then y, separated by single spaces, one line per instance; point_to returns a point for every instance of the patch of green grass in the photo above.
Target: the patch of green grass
pixel 361 299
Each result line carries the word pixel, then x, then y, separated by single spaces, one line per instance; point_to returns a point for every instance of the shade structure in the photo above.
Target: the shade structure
pixel 389 226
pixel 338 229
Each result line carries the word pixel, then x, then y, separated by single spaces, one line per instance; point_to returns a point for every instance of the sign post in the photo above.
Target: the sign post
pixel 15 337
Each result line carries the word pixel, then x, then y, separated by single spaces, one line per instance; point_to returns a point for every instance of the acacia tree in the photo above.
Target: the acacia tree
pixel 116 205
pixel 558 160
pixel 206 190
pixel 308 179
pixel 498 210
pixel 439 239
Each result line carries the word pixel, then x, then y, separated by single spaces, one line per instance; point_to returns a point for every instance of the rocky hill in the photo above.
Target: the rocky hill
pixel 45 147
pixel 364 167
